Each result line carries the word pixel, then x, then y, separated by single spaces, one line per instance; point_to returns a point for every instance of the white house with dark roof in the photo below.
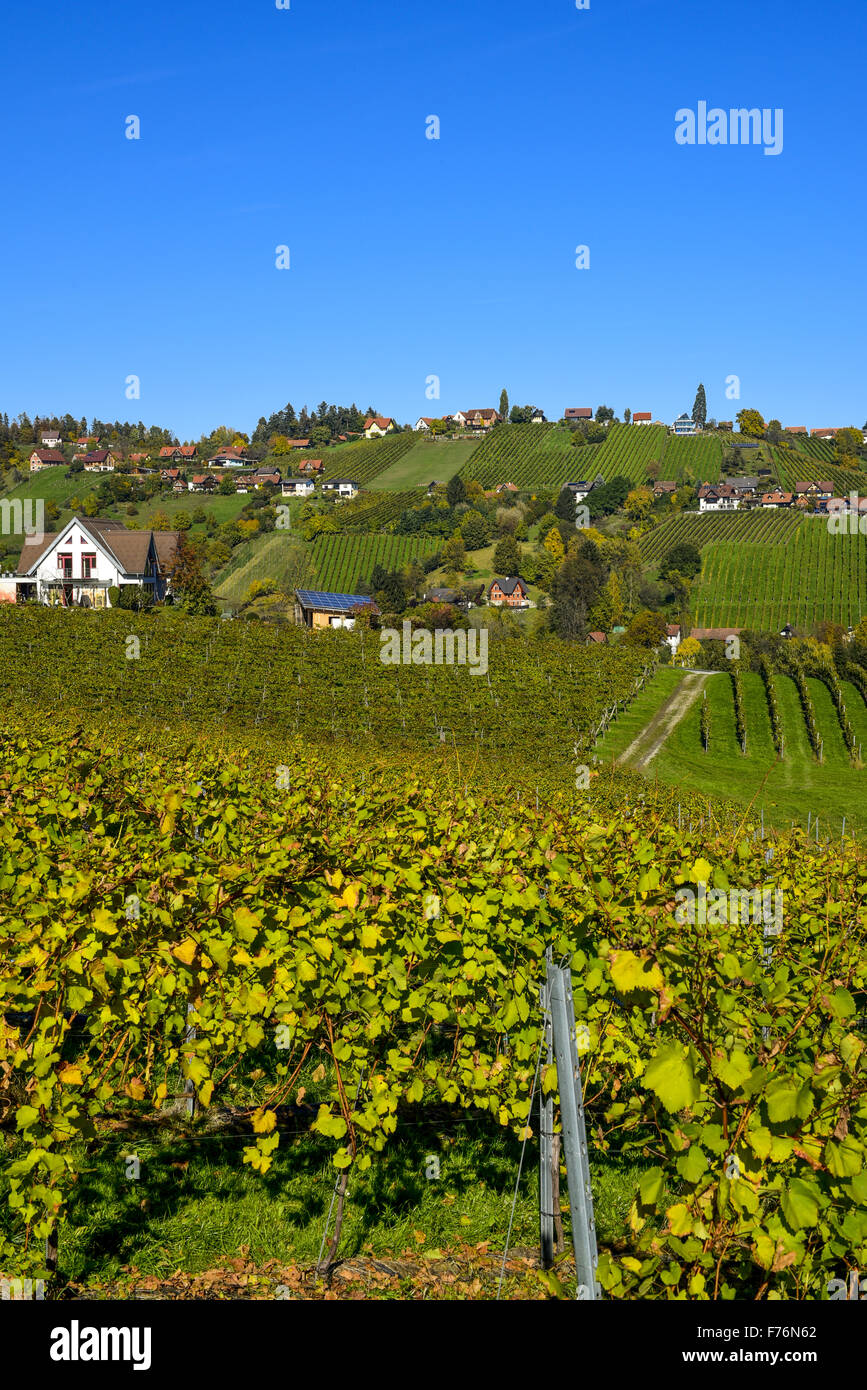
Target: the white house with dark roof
pixel 50 439
pixel 77 566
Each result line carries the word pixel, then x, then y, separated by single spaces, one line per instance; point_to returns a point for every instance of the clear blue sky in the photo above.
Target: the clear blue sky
pixel 412 257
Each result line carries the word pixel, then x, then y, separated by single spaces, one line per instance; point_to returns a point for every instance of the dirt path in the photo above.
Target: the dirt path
pixel 645 747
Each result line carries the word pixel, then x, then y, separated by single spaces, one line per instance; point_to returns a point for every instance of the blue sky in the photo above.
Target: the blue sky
pixel 413 257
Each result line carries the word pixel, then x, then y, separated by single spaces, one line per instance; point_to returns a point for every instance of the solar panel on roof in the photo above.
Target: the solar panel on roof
pixel 315 598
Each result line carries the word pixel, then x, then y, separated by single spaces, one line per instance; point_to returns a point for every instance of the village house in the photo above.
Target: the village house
pixel 178 452
pixel 298 487
pixel 505 487
pixel 595 639
pixel 642 417
pixel 315 609
pixel 509 592
pixel 583 488
pixel 202 482
pixel 817 491
pixel 344 487
pixel 423 424
pixel 85 442
pixel 230 457
pixel 51 439
pixel 744 487
pixel 299 443
pixel 169 475
pixel 481 419
pixel 77 566
pixel 795 429
pixel 823 434
pixel 714 634
pixel 684 424
pixel 538 418
pixel 720 498
pixel 673 636
pixel 264 477
pixel 45 458
pixel 100 461
pixel 583 413
pixel 377 426
pixel 310 466
pixel 664 488
pixel 777 499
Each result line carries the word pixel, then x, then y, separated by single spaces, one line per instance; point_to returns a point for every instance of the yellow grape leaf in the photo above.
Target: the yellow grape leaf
pixel 70 1076
pixel 104 922
pixel 630 972
pixel 136 1089
pixel 319 1074
pixel 351 894
pixel 185 951
pixel 206 1092
pixel 264 1121
pixel 369 935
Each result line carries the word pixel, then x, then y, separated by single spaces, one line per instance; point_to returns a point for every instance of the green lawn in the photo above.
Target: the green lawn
pixel 425 463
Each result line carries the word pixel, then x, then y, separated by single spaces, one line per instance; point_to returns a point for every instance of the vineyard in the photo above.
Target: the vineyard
pixel 701 528
pixel 803 577
pixel 528 456
pixel 376 511
pixel 794 467
pixel 628 449
pixel 330 686
pixel 361 461
pixel 805 742
pixel 700 456
pixel 328 961
pixel 341 561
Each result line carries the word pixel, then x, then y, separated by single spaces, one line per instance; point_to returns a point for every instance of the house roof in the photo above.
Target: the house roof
pixel 166 543
pixel 320 601
pixel 487 413
pixel 672 629
pixel 508 585
pixel 814 483
pixel 48 455
pixel 642 415
pixel 583 413
pixel 777 496
pixel 664 485
pixel 743 484
pixel 442 595
pixel 815 432
pixel 794 429
pixel 382 420
pixel 597 637
pixel 98 456
pixel 714 634
pixel 230 452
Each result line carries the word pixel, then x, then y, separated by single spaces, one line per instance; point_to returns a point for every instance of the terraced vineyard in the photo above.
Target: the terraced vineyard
pixel 528 456
pixel 795 467
pixel 376 511
pixel 629 449
pixel 703 528
pixel 813 575
pixel 701 456
pixel 361 461
pixel 341 561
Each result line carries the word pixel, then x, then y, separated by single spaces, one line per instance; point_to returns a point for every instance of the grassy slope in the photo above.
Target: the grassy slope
pixel 425 463
pixel 636 716
pixel 787 789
